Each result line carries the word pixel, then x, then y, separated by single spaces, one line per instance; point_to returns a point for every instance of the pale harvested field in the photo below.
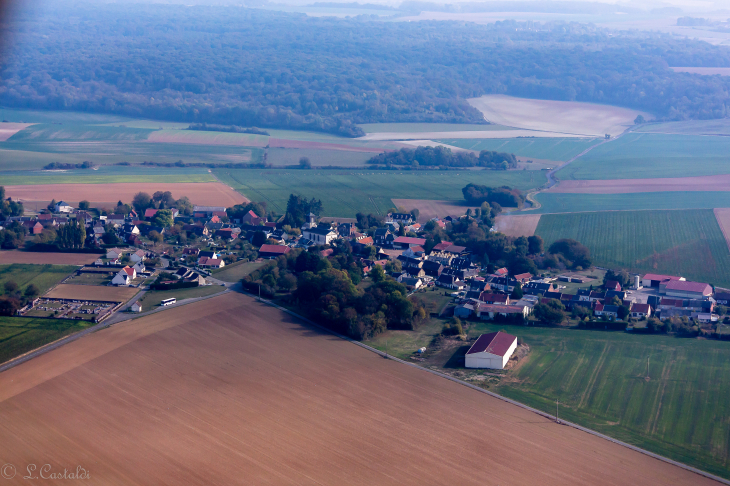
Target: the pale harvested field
pixel 229 391
pixel 200 137
pixel 466 134
pixel 38 258
pixel 202 193
pixel 517 225
pixel 7 130
pixel 92 292
pixel 625 186
pixel 283 143
pixel 723 219
pixel 708 71
pixel 429 209
pixel 586 119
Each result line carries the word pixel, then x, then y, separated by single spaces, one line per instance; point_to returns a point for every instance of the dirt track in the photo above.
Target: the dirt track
pixel 92 292
pixel 202 193
pixel 625 186
pixel 38 258
pixel 229 391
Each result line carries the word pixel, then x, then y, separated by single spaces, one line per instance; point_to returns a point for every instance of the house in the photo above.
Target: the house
pixel 492 298
pixel 405 242
pixel 464 310
pixel 441 246
pixel 137 256
pixel 414 251
pixel 389 254
pixel 612 285
pixel 136 307
pixel 505 284
pixel 279 236
pixel 196 229
pixel 273 251
pixel 450 282
pixel 610 311
pixel 252 218
pixel 641 311
pixel 84 218
pixel 536 288
pixel 114 253
pixel 225 234
pixel 398 276
pixel 208 254
pixel 62 207
pixel 610 294
pixel 400 218
pixel 412 282
pixel 655 280
pixel 131 229
pixel 346 229
pixel 124 277
pixel 191 250
pixel 596 295
pixel 139 267
pixel 359 245
pixel 553 295
pixel 320 235
pixel 35 228
pixel 501 272
pixel 707 318
pixel 523 278
pixel 687 290
pixel 211 262
pixel 722 298
pixel 115 220
pixel 207 211
pixel 416 272
pixel 432 269
pixel 441 257
pixel 455 249
pixel 491 351
pixel 461 263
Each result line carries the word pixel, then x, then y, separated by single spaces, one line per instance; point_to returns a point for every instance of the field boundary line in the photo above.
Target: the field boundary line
pixel 495 395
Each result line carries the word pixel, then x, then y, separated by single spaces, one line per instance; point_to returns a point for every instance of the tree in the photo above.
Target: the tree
pixel 10 286
pixel 259 238
pixel 639 120
pixel 9 306
pixel 623 312
pixel 155 237
pixel 622 277
pixel 517 293
pixel 287 281
pixel 141 201
pixel 84 205
pixel 377 273
pixel 163 200
pixel 535 245
pixel 110 237
pixel 51 205
pixel 574 254
pixel 31 291
pixel 304 163
pixel 71 235
pixel 551 313
pixel 162 218
pixel 415 213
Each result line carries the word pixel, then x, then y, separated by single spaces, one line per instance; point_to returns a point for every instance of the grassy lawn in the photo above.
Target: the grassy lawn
pixel 345 193
pixel 42 276
pixel 687 243
pixel 19 335
pixel 680 411
pixel 558 149
pixel 236 271
pixel 153 298
pixel 649 155
pixel 96 278
pixel 570 203
pixel 434 298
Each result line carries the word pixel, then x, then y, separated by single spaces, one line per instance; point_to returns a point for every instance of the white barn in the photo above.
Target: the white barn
pixel 491 350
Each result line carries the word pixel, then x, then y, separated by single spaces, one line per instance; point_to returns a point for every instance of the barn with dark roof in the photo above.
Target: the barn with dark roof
pixel 491 350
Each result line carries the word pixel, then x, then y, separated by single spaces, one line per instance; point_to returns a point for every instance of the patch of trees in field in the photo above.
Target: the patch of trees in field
pixel 443 157
pixel 476 194
pixel 247 67
pixel 226 128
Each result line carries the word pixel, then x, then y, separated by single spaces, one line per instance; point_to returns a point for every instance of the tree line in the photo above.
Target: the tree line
pixel 248 67
pixel 443 157
pixel 476 194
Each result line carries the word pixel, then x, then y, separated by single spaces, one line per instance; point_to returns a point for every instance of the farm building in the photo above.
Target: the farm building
pixel 405 242
pixel 273 251
pixel 490 311
pixel 136 307
pixel 491 351
pixel 63 207
pixel 686 290
pixel 722 298
pixel 640 311
pixel 491 298
pixel 114 253
pixel 655 280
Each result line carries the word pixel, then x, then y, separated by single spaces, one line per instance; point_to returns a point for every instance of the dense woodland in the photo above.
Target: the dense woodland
pixel 444 157
pixel 247 67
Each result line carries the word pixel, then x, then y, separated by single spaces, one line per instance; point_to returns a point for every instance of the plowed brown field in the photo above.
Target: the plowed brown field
pixel 230 391
pixel 14 256
pixel 202 193
pixel 517 225
pixel 625 186
pixel 92 292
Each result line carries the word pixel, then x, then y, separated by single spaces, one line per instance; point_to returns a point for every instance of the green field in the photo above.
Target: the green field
pixel 236 271
pixel 318 157
pixel 720 126
pixel 18 335
pixel 600 379
pixel 78 132
pixel 649 155
pixel 569 203
pixel 108 174
pixel 686 243
pixel 345 193
pixel 42 276
pixel 152 299
pixel 558 149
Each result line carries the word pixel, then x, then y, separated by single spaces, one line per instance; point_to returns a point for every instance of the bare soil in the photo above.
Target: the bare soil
pixel 7 130
pixel 92 292
pixel 517 225
pixel 625 186
pixel 723 219
pixel 429 209
pixel 37 258
pixel 564 117
pixel 202 193
pixel 230 391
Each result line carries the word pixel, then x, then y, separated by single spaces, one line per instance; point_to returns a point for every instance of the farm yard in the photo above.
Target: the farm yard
pixel 22 334
pixel 39 258
pixel 568 117
pixel 204 193
pixel 345 193
pixel 687 243
pixel 556 202
pixel 652 155
pixel 92 292
pixel 189 361
pixel 42 276
pixel 556 149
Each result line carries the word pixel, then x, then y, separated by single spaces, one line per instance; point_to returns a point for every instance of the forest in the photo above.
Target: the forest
pixel 248 67
pixel 444 157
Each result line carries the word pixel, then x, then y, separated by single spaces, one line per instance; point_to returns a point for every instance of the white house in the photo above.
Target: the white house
pixel 139 267
pixel 320 235
pixel 491 350
pixel 137 256
pixel 114 253
pixel 136 307
pixel 62 207
pixel 124 277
